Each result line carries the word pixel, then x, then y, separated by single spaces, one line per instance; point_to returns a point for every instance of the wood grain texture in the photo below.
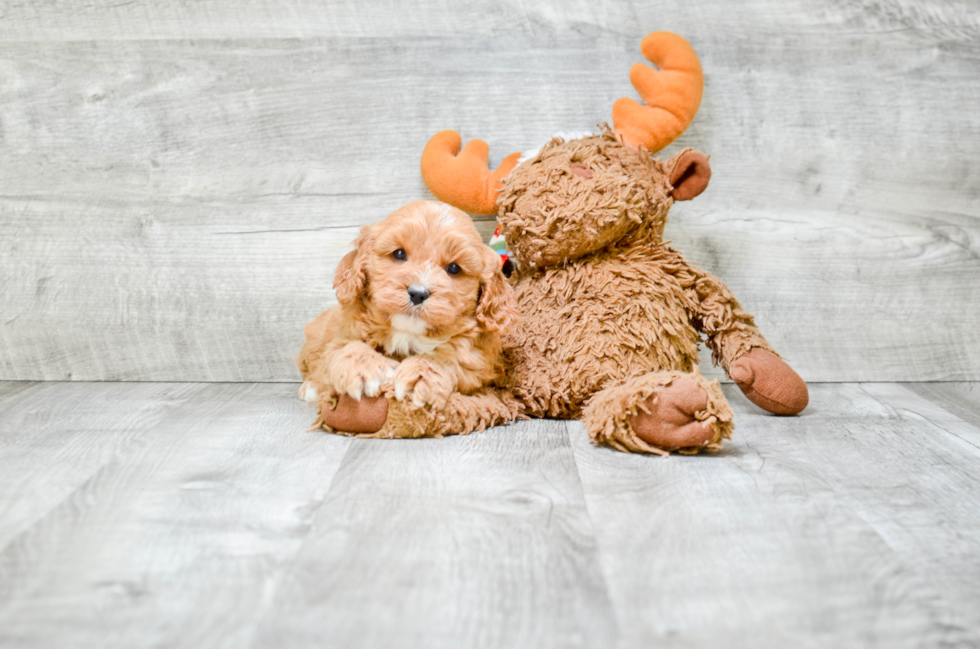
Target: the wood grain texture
pixel 50 20
pixel 853 525
pixel 53 439
pixel 478 541
pixel 10 389
pixel 204 516
pixel 843 209
pixel 132 291
pixel 906 398
pixel 182 538
pixel 960 399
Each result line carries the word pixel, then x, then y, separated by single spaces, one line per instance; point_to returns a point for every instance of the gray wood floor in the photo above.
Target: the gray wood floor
pixel 204 515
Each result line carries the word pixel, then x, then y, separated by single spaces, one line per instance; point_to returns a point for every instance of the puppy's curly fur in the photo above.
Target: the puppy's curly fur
pixel 382 339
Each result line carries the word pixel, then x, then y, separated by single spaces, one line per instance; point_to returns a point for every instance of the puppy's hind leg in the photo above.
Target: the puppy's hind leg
pixel 389 418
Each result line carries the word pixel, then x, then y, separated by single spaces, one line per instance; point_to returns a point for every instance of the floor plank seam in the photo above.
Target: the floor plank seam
pixel 908 412
pixel 592 527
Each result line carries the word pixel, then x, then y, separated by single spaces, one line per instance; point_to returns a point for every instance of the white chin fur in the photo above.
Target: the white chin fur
pixel 408 336
pixel 409 324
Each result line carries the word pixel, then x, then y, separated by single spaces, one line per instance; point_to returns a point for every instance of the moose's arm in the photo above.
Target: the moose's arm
pixel 742 350
pixel 730 329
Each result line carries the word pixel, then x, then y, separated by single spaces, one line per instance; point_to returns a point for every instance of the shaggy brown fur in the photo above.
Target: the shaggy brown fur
pixel 605 303
pixel 549 214
pixel 612 316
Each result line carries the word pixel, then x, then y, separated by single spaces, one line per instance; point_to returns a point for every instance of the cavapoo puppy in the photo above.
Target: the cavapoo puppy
pixel 422 302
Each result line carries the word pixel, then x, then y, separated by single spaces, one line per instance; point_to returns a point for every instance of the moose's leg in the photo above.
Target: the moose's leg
pixel 388 418
pixel 347 415
pixel 660 412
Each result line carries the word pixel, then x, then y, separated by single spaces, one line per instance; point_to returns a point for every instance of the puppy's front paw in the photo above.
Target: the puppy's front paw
pixel 308 392
pixel 424 381
pixel 357 369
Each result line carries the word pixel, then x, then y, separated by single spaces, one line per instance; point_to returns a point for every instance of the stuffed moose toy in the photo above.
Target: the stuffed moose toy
pixel 611 317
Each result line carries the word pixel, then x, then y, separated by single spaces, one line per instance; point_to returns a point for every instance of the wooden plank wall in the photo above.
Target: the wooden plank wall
pixel 178 180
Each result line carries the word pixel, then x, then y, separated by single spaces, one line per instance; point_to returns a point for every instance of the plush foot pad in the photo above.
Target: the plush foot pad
pixel 359 416
pixel 769 382
pixel 660 412
pixel 667 419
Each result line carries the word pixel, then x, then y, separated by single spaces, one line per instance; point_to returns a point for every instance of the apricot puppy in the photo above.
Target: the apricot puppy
pixel 422 302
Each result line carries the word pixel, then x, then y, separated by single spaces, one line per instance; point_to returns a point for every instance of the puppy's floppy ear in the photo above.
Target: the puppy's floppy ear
pixel 496 309
pixel 350 279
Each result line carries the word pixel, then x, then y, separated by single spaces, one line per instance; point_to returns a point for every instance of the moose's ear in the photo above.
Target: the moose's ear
pixel 690 175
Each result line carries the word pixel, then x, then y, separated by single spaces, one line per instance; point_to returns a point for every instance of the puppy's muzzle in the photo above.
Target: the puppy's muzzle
pixel 418 294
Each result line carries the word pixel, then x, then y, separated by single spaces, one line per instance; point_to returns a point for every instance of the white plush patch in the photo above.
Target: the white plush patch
pixel 408 337
pixel 565 135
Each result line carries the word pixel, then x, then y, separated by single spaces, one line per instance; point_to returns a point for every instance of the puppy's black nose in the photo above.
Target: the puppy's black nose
pixel 418 294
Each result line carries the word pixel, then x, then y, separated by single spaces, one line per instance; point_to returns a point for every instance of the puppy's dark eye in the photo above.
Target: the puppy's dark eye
pixel 453 269
pixel 399 255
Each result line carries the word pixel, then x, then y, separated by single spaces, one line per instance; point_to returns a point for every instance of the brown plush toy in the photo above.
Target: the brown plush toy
pixel 611 317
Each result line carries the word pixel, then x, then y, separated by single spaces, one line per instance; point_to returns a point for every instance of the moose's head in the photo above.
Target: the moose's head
pixel 572 198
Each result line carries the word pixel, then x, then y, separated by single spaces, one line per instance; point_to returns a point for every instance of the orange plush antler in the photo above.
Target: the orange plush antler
pixel 463 180
pixel 672 94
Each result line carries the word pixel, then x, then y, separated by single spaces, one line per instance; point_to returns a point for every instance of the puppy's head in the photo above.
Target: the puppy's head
pixel 425 268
